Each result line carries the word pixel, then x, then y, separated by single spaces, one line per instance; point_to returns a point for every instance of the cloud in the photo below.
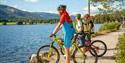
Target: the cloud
pixel 93 10
pixel 33 1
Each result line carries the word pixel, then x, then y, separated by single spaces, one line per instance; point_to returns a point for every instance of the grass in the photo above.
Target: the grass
pixel 11 23
pixel 120 56
pixel 8 23
pixel 107 28
pixel 1 23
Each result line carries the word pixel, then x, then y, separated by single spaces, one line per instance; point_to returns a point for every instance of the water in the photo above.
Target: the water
pixel 18 42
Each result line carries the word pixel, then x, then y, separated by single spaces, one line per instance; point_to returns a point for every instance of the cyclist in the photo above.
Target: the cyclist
pixel 80 29
pixel 88 28
pixel 66 24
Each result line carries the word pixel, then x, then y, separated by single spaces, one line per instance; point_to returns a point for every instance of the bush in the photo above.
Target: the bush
pixel 120 56
pixel 110 26
pixel 4 23
pixel 20 23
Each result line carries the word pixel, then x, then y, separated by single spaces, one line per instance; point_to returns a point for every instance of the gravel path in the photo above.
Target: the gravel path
pixel 111 40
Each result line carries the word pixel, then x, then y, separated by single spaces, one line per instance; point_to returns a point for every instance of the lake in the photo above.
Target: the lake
pixel 18 42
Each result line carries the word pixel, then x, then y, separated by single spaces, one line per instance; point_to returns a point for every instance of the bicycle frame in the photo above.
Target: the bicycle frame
pixel 73 47
pixel 55 40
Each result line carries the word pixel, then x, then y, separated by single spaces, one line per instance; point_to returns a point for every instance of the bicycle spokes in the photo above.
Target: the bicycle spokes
pixel 99 48
pixel 84 57
pixel 48 55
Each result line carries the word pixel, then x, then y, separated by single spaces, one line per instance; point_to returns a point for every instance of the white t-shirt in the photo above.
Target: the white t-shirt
pixel 79 23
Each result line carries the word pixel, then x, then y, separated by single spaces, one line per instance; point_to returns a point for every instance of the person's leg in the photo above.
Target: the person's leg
pixel 67 44
pixel 67 55
pixel 88 39
pixel 82 42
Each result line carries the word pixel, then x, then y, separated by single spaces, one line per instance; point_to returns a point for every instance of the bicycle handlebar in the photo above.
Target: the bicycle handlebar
pixel 54 36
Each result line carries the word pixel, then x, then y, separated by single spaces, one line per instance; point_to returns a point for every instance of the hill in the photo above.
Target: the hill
pixel 7 12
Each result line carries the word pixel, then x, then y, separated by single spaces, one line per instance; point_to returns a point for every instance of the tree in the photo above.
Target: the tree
pixel 108 5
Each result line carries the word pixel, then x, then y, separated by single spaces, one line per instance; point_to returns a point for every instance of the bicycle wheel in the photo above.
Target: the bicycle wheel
pixel 80 57
pixel 47 54
pixel 100 48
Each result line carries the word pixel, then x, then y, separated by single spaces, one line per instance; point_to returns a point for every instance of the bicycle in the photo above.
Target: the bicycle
pixel 98 45
pixel 50 53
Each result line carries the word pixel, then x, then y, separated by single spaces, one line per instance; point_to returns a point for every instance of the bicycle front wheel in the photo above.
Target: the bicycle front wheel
pixel 82 56
pixel 47 54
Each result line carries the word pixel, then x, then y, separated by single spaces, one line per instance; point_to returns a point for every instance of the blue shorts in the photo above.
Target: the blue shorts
pixel 81 39
pixel 68 34
pixel 68 39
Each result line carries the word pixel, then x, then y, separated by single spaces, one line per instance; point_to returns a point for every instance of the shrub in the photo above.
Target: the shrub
pixel 110 26
pixel 120 56
pixel 4 23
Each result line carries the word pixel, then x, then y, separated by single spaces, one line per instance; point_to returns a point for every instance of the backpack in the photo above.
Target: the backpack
pixel 85 25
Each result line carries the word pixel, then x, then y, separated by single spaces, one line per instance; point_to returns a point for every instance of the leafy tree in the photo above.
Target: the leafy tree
pixel 108 5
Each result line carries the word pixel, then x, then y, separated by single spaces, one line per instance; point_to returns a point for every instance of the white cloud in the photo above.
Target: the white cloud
pixel 93 10
pixel 33 1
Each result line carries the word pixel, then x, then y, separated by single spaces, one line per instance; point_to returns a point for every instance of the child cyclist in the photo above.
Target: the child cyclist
pixel 88 28
pixel 80 29
pixel 66 24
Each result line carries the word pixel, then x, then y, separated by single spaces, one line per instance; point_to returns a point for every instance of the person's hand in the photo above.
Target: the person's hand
pixel 51 35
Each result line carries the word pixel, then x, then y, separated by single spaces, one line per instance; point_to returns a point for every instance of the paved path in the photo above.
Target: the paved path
pixel 111 40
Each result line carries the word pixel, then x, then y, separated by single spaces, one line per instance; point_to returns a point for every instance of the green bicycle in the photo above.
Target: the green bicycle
pixel 50 54
pixel 98 45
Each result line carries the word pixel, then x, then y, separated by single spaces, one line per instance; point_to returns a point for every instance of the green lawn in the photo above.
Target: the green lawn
pixel 1 23
pixel 11 23
pixel 8 23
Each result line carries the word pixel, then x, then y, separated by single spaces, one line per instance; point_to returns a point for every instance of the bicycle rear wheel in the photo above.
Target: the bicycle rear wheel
pixel 47 54
pixel 79 57
pixel 100 48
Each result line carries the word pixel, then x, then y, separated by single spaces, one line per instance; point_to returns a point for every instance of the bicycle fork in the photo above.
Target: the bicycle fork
pixel 50 50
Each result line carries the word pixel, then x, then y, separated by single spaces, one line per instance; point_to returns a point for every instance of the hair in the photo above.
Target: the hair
pixel 87 16
pixel 61 6
pixel 78 16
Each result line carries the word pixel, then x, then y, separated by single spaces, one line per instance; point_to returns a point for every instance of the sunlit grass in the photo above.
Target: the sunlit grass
pixel 11 23
pixel 120 56
pixel 1 23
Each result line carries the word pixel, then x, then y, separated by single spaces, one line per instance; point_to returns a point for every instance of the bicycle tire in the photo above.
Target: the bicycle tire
pixel 105 48
pixel 76 50
pixel 45 46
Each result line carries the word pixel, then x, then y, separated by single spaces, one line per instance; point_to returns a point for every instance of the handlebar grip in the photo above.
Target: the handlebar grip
pixel 54 36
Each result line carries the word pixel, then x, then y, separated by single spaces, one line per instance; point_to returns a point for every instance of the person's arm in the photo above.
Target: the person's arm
pixel 91 25
pixel 89 29
pixel 59 25
pixel 57 28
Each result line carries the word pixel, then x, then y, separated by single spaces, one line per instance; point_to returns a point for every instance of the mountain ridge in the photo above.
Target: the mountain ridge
pixel 8 12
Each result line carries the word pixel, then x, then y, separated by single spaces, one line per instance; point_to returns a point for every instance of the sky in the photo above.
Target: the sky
pixel 73 6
